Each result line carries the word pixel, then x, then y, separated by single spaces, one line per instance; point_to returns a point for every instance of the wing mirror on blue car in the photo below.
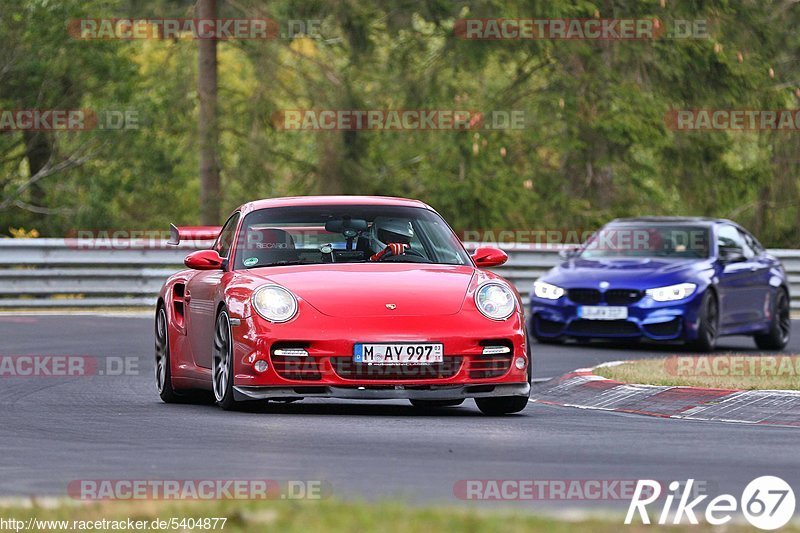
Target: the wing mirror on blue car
pixel 731 254
pixel 568 253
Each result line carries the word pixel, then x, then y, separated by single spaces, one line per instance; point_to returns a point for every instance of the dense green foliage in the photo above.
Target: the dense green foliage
pixel 595 144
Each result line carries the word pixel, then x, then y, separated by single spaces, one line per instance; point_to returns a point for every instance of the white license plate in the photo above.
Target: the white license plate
pixel 398 354
pixel 598 312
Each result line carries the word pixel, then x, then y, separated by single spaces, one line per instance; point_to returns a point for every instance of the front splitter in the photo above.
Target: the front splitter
pixel 384 392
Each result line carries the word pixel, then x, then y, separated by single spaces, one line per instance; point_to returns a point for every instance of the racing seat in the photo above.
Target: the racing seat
pixel 267 246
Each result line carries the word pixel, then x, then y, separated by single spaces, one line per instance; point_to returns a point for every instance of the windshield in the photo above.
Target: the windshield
pixel 346 234
pixel 670 241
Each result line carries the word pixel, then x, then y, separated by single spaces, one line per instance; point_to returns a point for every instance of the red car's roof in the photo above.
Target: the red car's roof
pixel 330 200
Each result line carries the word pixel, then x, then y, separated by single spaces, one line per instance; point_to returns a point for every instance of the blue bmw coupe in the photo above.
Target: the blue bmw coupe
pixel 665 279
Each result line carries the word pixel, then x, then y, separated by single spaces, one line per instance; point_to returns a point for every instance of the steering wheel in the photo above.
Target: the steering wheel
pixel 408 251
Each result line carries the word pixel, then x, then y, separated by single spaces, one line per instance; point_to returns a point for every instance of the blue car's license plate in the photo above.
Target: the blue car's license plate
pixel 603 312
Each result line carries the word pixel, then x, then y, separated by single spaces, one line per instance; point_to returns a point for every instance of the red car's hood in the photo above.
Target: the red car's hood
pixel 357 290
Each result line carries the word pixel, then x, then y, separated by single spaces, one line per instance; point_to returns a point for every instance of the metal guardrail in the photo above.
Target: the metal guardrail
pixel 56 273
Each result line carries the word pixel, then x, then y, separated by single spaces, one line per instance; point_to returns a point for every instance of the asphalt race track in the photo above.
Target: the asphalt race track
pixel 57 429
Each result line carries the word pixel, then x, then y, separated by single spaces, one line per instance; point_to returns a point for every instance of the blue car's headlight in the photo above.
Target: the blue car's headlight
pixel 672 293
pixel 548 291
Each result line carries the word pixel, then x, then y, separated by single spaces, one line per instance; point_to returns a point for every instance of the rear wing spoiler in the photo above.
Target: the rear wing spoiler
pixel 192 233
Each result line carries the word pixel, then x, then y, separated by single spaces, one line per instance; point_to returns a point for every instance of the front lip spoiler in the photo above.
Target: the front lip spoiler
pixel 384 392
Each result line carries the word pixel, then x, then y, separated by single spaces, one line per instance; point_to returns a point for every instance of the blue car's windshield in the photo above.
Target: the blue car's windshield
pixel 654 240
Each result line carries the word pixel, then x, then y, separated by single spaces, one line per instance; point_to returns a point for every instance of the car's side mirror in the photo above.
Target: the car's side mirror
pixel 731 254
pixel 568 253
pixel 486 257
pixel 203 260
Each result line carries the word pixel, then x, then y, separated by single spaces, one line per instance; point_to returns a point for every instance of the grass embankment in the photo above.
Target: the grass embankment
pixel 328 516
pixel 746 372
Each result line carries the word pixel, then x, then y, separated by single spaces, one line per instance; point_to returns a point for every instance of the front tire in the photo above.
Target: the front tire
pixel 222 363
pixel 163 370
pixel 781 326
pixel 708 328
pixel 503 405
pixel 506 405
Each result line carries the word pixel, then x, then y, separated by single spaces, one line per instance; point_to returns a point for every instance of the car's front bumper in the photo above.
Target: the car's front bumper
pixel 660 321
pixel 329 369
pixel 383 392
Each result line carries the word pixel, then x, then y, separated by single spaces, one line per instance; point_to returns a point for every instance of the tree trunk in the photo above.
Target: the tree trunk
pixel 207 127
pixel 38 151
pixel 330 163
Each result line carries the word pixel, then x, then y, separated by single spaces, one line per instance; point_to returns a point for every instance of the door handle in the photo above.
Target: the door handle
pixel 187 297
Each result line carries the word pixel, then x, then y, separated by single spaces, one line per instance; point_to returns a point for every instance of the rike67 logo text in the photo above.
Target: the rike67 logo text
pixel 767 503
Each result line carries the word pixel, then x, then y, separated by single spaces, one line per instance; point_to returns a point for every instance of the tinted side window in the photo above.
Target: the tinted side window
pixel 753 243
pixel 225 239
pixel 749 250
pixel 730 236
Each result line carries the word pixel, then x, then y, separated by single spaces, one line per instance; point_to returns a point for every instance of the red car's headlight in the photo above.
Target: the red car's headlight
pixel 275 303
pixel 495 301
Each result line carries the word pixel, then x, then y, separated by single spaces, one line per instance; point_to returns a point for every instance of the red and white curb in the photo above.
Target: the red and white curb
pixel 585 390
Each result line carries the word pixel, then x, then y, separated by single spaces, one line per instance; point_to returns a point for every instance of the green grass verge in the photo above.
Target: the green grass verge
pixel 744 372
pixel 332 516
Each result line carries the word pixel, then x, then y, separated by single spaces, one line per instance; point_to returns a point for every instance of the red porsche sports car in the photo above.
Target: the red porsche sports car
pixel 341 297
